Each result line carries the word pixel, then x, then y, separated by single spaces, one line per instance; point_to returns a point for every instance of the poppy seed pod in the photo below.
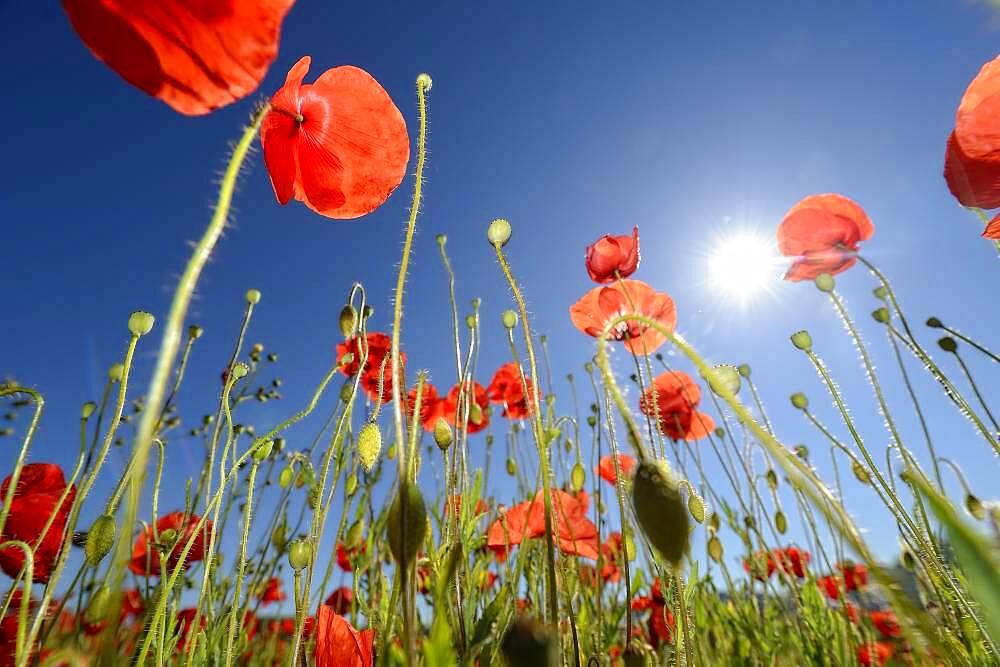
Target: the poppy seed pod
pixel 406 537
pixel 948 344
pixel 299 554
pixel 442 434
pixel 369 445
pixel 934 323
pixel 881 315
pixel 802 340
pixel 509 319
pixel 824 282
pixel 253 296
pixel 98 606
pixel 348 321
pixel 100 539
pixel 799 400
pixel 498 232
pixel 660 510
pixel 140 323
pixel 577 477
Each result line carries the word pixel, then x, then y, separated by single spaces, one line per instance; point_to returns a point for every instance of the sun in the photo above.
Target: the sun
pixel 743 264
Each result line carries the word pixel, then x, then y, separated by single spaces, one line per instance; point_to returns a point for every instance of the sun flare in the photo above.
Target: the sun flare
pixel 743 264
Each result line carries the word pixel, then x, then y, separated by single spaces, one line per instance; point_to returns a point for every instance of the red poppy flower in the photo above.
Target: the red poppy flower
pixel 762 566
pixel 972 156
pixel 661 620
pixel 479 416
pixel 272 592
pixel 454 505
pixel 185 619
pixel 600 305
pixel 573 531
pixel 612 551
pixel 675 406
pixel 853 613
pixel 613 257
pixel 379 350
pixel 509 530
pixel 431 406
pixel 606 468
pixel 36 499
pixel 339 145
pixel 523 604
pixel 855 575
pixel 195 56
pixel 792 560
pixel 346 557
pixel 876 653
pixel 339 644
pixel 176 527
pixel 8 628
pixel 885 622
pixel 486 580
pixel 992 230
pixel 821 233
pixel 506 389
pixel 830 586
pixel 341 600
pixel 133 604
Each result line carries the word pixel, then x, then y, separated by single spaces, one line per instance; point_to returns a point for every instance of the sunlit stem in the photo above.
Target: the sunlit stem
pixel 975 390
pixel 39 402
pixel 241 564
pixel 962 337
pixel 620 495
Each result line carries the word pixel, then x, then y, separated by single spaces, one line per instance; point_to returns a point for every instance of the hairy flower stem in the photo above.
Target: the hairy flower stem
pixel 39 402
pixel 241 565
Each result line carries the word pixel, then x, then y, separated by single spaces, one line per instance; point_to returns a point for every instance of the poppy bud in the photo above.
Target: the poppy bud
pixel 726 376
pixel 253 296
pixel 528 644
pixel 772 479
pixel 720 432
pixel 272 357
pixel 441 239
pixel 353 536
pixel 470 321
pixel 405 540
pixel 578 476
pixel 424 81
pixel 780 522
pixel 975 507
pixel 140 323
pixel 100 539
pixel 391 452
pixel 279 537
pixel 802 452
pixel 860 473
pixel 696 505
pixel 509 319
pixel 97 608
pixel 240 370
pixel 285 477
pixel 824 282
pixel 195 332
pixel 348 321
pixel 369 445
pixel 880 292
pixel 115 372
pixel 800 401
pixel 350 485
pixel 947 344
pixel 934 323
pixel 744 370
pixel 714 523
pixel 476 301
pixel 476 414
pixel 588 367
pixel 715 550
pixel 881 315
pixel 802 340
pixel 299 554
pixel 87 410
pixel 660 511
pixel 498 232
pixel 591 421
pixel 313 496
pixel 511 467
pixel 442 434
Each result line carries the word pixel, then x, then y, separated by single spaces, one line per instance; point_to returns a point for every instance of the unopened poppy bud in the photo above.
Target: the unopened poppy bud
pixel 696 506
pixel 115 372
pixel 578 476
pixel 934 323
pixel 824 282
pixel 588 367
pixel 660 510
pixel 498 232
pixel 240 370
pixel 167 538
pixel 720 432
pixel 780 522
pixel 527 643
pixel 726 376
pixel 906 556
pixel 744 370
pixel 391 452
pixel 313 496
pixel 279 537
pixel 263 450
pixel 257 348
pixel 98 606
pixel 350 485
pixel 881 315
pixel 714 523
pixel 860 473
pixel 406 534
pixel 253 296
pixel 476 414
pixel 880 293
pixel 441 239
pixel 140 323
pixel 799 400
pixel 476 302
pixel 772 479
pixel 299 554
pixel 802 452
pixel 353 536
pixel 511 467
pixel 975 507
pixel 87 410
pixel 715 550
pixel 100 539
pixel 802 340
pixel 947 344
pixel 285 477
pixel 591 421
pixel 348 321
pixel 509 319
pixel 442 434
pixel 424 81
pixel 470 321
pixel 195 332
pixel 369 445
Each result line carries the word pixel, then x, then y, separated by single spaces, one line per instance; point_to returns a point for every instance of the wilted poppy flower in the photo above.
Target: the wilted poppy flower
pixel 885 622
pixel 339 644
pixel 612 552
pixel 613 257
pixel 379 351
pixel 760 566
pixel 431 406
pixel 341 600
pixel 600 305
pixel 821 233
pixel 507 390
pixel 606 468
pixel 792 560
pixel 36 499
pixel 272 592
pixel 174 529
pixel 972 156
pixel 855 575
pixel 338 145
pixel 875 653
pixel 478 415
pixel 195 56
pixel 675 406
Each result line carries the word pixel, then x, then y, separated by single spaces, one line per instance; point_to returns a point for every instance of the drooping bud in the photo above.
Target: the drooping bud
pixel 802 340
pixel 948 344
pixel 253 296
pixel 299 554
pixel 802 452
pixel 511 467
pixel 100 539
pixel 476 414
pixel 98 606
pixel 369 445
pixel 391 452
pixel 279 536
pixel 353 536
pixel 263 450
pixel 696 505
pixel 528 644
pixel 824 282
pixel 498 232
pixel 880 292
pixel 715 550
pixel 713 523
pixel 881 315
pixel 350 485
pixel 115 372
pixel 406 534
pixel 772 479
pixel 578 476
pixel 285 477
pixel 442 434
pixel 660 510
pixel 348 321
pixel 140 323
pixel 780 522
pixel 471 321
pixel 195 332
pixel 509 319
pixel 744 370
pixel 975 507
pixel 799 400
pixel 87 410
pixel 860 473
pixel 934 323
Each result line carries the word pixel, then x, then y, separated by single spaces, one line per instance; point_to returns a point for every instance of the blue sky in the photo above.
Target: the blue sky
pixel 691 120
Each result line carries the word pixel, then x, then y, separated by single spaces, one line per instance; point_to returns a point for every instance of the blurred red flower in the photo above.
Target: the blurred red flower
pixel 613 257
pixel 177 527
pixel 830 585
pixel 453 505
pixel 573 531
pixel 36 499
pixel 339 145
pixel 341 600
pixel 885 622
pixel 379 350
pixel 855 575
pixel 760 566
pixel 478 417
pixel 876 653
pixel 133 604
pixel 612 552
pixel 431 406
pixel 792 560
pixel 8 627
pixel 339 644
pixel 600 305
pixel 272 592
pixel 821 233
pixel 185 619
pixel 675 407
pixel 506 389
pixel 661 620
pixel 194 56
pixel 345 556
pixel 606 467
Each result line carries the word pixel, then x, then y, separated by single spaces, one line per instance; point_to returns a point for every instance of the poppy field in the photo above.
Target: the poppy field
pixel 639 508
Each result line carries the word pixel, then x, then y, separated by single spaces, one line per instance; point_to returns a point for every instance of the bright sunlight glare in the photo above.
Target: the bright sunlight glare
pixel 743 264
